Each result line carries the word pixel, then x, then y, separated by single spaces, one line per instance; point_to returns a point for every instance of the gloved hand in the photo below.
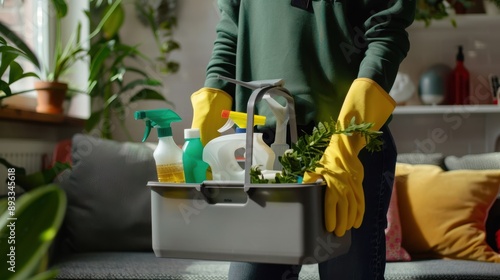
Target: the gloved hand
pixel 341 169
pixel 208 104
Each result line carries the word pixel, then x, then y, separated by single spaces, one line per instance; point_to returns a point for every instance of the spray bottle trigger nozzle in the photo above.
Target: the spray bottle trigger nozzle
pixel 147 130
pixel 229 124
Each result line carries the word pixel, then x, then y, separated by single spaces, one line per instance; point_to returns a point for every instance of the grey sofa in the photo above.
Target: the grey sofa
pixel 107 229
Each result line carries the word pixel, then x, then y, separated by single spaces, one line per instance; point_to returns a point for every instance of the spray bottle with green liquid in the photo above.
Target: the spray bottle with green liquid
pixel 167 155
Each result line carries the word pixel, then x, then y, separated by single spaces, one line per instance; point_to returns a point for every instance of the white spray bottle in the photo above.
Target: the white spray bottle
pixel 167 155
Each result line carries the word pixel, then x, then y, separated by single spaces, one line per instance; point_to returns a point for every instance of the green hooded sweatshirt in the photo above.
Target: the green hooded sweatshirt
pixel 317 51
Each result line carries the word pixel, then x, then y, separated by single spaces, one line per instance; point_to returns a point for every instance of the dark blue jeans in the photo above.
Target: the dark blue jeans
pixel 366 257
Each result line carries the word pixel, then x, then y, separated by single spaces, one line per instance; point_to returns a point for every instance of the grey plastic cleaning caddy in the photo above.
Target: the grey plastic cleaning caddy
pixel 234 221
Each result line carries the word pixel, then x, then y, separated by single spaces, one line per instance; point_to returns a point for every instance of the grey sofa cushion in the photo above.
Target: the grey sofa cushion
pixel 109 205
pixel 142 265
pixel 442 270
pixel 476 162
pixel 147 266
pixel 421 158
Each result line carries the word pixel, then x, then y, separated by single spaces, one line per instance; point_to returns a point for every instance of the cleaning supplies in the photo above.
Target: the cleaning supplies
pixel 220 152
pixel 195 169
pixel 279 146
pixel 238 119
pixel 167 155
pixel 459 82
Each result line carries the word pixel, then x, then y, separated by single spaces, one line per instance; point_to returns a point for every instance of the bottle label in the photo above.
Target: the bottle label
pixel 171 173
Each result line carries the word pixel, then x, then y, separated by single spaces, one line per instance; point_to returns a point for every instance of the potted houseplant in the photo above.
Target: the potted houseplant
pixel 49 87
pixel 51 92
pixel 116 82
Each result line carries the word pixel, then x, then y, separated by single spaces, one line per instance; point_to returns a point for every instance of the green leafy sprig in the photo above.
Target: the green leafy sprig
pixel 306 153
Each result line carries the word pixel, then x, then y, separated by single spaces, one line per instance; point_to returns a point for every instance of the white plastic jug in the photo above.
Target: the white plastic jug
pixel 219 153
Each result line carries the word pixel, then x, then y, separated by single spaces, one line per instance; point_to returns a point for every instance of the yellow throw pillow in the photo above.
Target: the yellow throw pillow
pixel 443 213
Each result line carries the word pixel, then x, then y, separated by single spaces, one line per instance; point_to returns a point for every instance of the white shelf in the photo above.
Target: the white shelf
pixel 463 21
pixel 447 109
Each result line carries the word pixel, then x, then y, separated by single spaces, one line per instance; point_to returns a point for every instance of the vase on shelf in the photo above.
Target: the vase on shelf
pixel 403 89
pixel 433 85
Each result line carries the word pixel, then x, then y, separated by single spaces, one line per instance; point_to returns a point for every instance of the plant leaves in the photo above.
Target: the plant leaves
pixel 140 82
pixel 60 7
pixel 114 22
pixel 15 72
pixel 7 164
pixel 114 5
pixel 19 43
pixel 4 90
pixel 169 46
pixel 38 216
pixel 6 59
pixel 306 153
pixel 93 120
pixel 103 52
pixel 148 94
pixel 44 177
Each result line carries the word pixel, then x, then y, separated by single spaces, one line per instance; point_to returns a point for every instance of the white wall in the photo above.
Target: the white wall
pixel 436 44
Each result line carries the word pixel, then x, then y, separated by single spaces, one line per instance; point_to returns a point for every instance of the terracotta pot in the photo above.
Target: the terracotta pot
pixel 50 97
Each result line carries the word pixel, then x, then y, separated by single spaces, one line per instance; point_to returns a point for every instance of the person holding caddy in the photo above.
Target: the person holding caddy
pixel 339 60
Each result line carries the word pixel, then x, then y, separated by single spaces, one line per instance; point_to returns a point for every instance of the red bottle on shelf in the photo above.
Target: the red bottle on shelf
pixel 459 82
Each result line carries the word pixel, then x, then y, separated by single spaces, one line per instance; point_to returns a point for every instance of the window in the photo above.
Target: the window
pixel 31 19
pixel 20 17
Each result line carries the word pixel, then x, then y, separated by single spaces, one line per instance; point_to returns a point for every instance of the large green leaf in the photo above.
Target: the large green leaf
pixel 107 15
pixel 141 82
pixel 114 22
pixel 101 54
pixel 28 228
pixel 18 42
pixel 6 59
pixel 34 180
pixel 4 90
pixel 19 170
pixel 60 7
pixel 137 71
pixel 15 73
pixel 93 120
pixel 148 94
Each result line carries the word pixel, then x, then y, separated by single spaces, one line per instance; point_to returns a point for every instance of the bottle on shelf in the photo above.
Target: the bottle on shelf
pixel 459 92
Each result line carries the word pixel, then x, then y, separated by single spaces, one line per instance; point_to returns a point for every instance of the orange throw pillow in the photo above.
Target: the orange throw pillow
pixel 443 213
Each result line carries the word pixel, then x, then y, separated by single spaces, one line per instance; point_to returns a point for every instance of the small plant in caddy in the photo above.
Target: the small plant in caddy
pixel 306 153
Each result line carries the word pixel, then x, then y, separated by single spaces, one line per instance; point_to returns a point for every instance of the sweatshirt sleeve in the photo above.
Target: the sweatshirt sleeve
pixel 387 40
pixel 223 60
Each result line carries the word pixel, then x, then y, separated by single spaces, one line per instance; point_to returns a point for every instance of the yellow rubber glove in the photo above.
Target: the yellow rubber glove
pixel 208 104
pixel 342 170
